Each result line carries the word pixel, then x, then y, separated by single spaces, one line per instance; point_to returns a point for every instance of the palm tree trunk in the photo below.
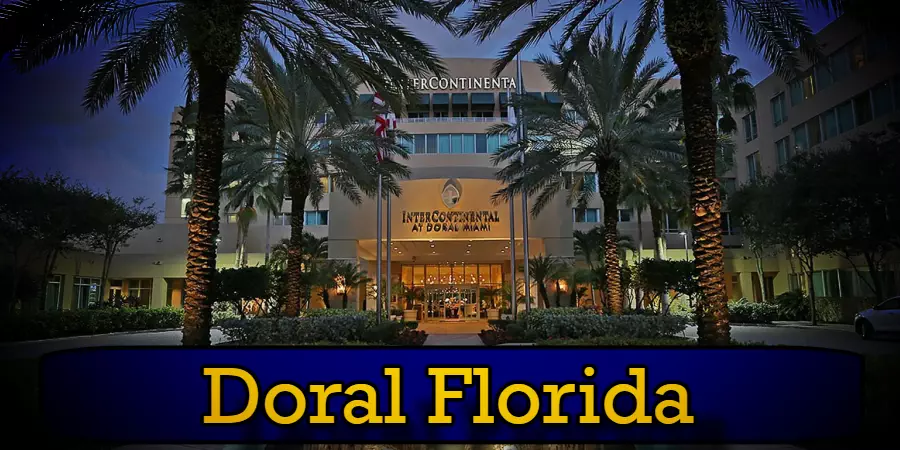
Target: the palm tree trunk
pixel 558 295
pixel 268 234
pixel 694 35
pixel 298 186
pixel 608 172
pixel 545 297
pixel 344 299
pixel 761 274
pixel 659 241
pixel 203 221
pixel 638 294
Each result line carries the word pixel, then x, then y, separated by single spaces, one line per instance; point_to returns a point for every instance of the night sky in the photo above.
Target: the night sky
pixel 44 127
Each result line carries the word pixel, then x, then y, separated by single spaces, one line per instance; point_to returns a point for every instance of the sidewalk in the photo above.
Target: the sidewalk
pixel 821 326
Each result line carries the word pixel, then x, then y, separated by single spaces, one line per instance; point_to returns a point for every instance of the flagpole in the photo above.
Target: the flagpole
pixel 378 284
pixel 522 135
pixel 512 235
pixel 390 290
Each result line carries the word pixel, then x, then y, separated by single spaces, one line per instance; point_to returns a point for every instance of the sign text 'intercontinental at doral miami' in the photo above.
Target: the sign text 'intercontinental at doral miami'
pixel 450 221
pixel 464 83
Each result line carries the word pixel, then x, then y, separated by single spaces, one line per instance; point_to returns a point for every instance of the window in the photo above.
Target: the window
pixel 493 143
pixel 857 50
pixel 460 114
pixel 282 220
pixel 431 143
pixel 753 168
pixel 441 114
pixel 456 143
pixel 408 143
pixel 729 227
pixel 876 45
pixel 87 291
pixel 480 143
pixel 315 217
pixel 802 89
pixel 893 303
pixel 881 99
pixel 814 131
pixel 840 64
pixel 830 124
pixel 417 114
pixel 845 117
pixel 672 223
pixel 750 131
pixel 625 215
pixel 823 75
pixel 482 114
pixel 115 289
pixel 468 143
pixel 420 141
pixel 590 181
pixel 783 151
pixel 801 143
pixel 53 296
pixel 443 143
pixel 140 289
pixel 779 109
pixel 231 218
pixel 586 215
pixel 326 184
pixel 862 107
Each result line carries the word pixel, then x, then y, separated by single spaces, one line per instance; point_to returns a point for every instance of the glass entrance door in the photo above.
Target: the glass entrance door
pixel 451 303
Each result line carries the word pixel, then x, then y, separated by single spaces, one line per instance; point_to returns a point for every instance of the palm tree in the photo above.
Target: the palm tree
pixel 347 277
pixel 588 244
pixel 298 147
pixel 610 130
pixel 324 274
pixel 732 91
pixel 695 31
pixel 544 269
pixel 211 38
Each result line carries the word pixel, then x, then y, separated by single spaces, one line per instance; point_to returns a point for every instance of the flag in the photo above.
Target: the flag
pixel 511 117
pixel 383 123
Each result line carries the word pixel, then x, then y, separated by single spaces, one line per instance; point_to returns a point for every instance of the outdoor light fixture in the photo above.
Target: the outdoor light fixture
pixel 686 255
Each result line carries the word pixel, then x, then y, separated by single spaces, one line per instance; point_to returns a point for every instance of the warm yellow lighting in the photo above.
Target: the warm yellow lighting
pixel 563 286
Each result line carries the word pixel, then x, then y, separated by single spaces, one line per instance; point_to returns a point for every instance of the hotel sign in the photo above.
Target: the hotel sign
pixel 450 221
pixel 463 84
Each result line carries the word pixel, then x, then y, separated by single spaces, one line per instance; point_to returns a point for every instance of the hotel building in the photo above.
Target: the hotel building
pixel 452 176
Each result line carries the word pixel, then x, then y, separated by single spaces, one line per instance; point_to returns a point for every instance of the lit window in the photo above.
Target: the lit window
pixel 87 291
pixel 326 184
pixel 141 290
pixel 184 207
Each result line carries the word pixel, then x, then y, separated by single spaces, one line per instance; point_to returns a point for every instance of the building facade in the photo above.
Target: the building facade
pixel 451 240
pixel 855 89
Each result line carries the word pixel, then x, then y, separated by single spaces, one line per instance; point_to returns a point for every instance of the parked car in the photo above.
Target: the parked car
pixel 881 319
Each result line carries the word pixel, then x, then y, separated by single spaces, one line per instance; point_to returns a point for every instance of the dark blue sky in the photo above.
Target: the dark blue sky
pixel 44 127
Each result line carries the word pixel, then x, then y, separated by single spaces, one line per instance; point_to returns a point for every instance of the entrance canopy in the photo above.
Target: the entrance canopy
pixel 449 251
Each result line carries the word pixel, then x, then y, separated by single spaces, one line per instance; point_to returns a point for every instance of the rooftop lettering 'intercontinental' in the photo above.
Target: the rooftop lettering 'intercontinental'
pixel 456 84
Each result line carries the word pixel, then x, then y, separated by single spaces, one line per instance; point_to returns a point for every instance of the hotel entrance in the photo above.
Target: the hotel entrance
pixel 452 291
pixel 452 303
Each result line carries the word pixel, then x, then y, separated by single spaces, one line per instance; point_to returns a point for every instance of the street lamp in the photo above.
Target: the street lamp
pixel 684 235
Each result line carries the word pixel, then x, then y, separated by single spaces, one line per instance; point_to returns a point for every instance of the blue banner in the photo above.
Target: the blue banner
pixel 454 395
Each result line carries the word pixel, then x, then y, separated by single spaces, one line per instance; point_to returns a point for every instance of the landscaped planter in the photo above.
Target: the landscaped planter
pixel 410 315
pixel 493 314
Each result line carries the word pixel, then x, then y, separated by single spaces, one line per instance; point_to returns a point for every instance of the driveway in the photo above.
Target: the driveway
pixel 810 337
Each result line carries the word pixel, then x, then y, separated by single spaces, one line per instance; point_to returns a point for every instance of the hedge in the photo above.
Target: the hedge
pixel 743 311
pixel 336 326
pixel 81 322
pixel 580 323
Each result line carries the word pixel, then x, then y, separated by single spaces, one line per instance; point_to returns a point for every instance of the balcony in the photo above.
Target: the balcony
pixel 450 119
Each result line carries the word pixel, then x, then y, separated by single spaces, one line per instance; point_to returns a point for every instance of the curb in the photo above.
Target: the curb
pixel 80 336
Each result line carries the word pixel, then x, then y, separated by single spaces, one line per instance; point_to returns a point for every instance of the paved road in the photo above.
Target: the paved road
pixel 824 337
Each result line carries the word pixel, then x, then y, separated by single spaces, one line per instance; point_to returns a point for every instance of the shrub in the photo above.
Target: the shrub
pixel 411 324
pixel 81 322
pixel 333 327
pixel 793 305
pixel 498 324
pixel 614 341
pixel 743 311
pixel 222 311
pixel 579 323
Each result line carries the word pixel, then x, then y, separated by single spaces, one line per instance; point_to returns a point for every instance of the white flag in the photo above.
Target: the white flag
pixel 511 117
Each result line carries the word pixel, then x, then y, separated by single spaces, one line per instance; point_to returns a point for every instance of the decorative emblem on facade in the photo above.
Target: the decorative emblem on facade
pixel 451 193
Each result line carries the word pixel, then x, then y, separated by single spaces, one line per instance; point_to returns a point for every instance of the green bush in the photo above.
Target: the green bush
pixel 498 324
pixel 578 323
pixel 333 327
pixel 743 311
pixel 411 324
pixel 81 322
pixel 793 305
